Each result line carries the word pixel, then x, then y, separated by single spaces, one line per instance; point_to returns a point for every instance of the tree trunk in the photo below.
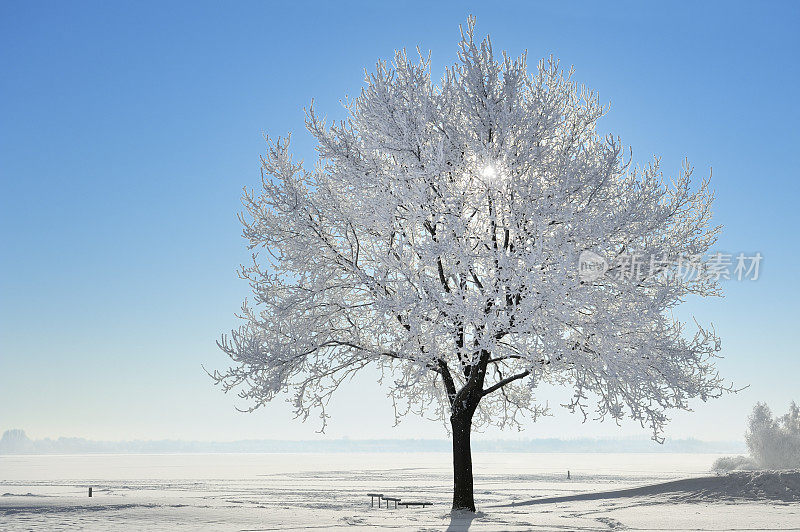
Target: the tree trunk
pixel 462 462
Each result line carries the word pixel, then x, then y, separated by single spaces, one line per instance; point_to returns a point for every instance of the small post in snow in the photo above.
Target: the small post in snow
pixel 90 491
pixel 567 474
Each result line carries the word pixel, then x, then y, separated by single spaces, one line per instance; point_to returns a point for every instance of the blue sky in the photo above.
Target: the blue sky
pixel 128 129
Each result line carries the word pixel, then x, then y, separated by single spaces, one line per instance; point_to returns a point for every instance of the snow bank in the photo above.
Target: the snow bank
pixel 757 485
pixel 738 486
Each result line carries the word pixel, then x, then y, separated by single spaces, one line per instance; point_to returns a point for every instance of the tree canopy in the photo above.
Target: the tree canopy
pixel 438 238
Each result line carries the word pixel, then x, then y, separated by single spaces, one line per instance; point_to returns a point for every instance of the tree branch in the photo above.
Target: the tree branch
pixel 503 382
pixel 449 385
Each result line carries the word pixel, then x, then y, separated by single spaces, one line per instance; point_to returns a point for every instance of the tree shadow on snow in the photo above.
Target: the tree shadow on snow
pixel 460 520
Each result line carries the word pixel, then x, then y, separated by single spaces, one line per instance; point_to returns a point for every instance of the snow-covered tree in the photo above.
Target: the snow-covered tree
pixel 438 237
pixel 774 443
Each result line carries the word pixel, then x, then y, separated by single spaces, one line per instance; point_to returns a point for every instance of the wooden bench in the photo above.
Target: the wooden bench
pixel 372 499
pixel 416 503
pixel 393 499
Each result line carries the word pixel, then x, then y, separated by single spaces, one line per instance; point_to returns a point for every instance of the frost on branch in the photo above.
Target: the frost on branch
pixel 437 238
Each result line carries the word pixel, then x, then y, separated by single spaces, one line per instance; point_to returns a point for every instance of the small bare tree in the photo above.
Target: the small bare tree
pixel 438 238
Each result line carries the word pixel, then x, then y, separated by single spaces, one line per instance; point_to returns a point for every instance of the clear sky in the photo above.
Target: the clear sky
pixel 128 129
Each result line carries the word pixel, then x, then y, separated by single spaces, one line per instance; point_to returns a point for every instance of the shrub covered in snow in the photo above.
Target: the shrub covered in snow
pixel 733 463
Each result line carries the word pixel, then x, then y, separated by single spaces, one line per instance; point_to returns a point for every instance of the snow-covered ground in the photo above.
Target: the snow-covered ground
pixel 320 492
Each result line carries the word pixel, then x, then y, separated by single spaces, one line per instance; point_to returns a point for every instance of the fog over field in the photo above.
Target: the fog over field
pixel 16 441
